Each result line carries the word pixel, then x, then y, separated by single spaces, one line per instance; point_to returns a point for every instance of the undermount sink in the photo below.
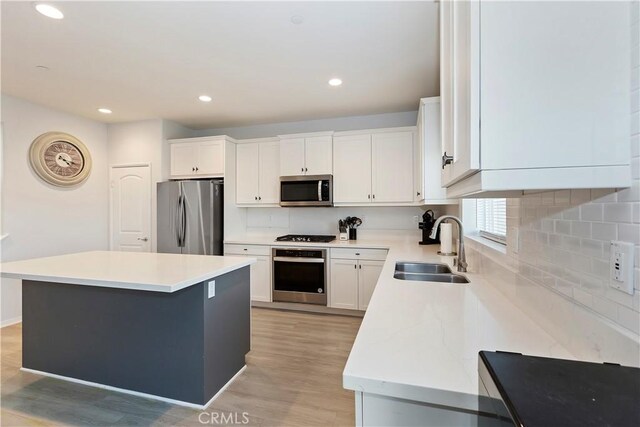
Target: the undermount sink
pixel 422 267
pixel 430 277
pixel 427 272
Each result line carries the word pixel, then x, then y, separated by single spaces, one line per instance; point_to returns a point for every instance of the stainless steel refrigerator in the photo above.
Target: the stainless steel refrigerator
pixel 190 217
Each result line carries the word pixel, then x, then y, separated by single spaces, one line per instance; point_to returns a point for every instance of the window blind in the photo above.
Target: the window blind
pixel 491 218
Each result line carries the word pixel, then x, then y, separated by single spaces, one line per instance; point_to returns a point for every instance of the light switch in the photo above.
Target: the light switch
pixel 212 289
pixel 621 266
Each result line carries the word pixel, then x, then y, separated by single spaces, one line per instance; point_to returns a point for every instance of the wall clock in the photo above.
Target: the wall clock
pixel 60 159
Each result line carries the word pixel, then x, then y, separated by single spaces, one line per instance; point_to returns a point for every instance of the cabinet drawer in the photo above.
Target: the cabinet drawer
pixel 235 249
pixel 372 254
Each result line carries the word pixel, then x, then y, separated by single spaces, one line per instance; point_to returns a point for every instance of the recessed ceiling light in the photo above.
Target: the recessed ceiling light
pixel 297 19
pixel 49 11
pixel 104 110
pixel 204 98
pixel 335 82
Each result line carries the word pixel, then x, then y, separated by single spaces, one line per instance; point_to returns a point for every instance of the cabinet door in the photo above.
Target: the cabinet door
pixel 319 155
pixel 210 160
pixel 247 165
pixel 261 279
pixel 431 143
pixel 368 274
pixel 292 156
pixel 352 169
pixel 344 284
pixel 564 100
pixel 446 87
pixel 269 181
pixel 419 157
pixel 465 89
pixel 392 167
pixel 183 159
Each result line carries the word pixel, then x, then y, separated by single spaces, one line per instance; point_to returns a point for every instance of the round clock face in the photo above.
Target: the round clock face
pixel 60 159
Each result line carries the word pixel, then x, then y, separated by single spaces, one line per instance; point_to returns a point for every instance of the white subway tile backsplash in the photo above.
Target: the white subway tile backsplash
pixel 629 233
pixel 603 195
pixel 618 212
pixel 573 213
pixel 591 212
pixel 563 227
pixel 583 297
pixel 592 248
pixel 604 231
pixel 562 197
pixel 580 196
pixel 600 269
pixel 581 229
pixel 631 194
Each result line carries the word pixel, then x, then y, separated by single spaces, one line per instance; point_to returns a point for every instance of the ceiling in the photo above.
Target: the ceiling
pixel 153 59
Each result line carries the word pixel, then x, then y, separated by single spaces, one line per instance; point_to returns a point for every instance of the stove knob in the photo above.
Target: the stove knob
pixel 320 290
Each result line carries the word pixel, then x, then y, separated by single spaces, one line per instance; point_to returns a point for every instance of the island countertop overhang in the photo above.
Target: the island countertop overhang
pixel 144 271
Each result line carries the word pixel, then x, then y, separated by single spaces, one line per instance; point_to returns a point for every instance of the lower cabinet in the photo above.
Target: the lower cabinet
pixel 353 282
pixel 260 271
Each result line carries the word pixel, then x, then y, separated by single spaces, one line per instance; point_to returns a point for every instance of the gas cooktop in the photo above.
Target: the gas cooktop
pixel 305 238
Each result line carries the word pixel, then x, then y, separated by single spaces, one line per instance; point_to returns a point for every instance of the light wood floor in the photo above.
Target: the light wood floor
pixel 293 378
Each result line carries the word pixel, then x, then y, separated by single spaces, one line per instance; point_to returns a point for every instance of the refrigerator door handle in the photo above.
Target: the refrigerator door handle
pixel 183 221
pixel 177 221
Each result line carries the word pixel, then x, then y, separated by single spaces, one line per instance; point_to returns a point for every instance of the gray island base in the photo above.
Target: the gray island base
pixel 182 347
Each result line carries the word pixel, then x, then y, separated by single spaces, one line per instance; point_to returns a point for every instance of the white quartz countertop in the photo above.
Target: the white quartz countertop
pixel 420 340
pixel 143 271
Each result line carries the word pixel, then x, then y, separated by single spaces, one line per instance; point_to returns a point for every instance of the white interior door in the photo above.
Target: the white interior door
pixel 131 208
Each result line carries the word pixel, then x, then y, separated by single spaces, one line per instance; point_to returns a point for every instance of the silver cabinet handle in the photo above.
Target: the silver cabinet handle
pixel 446 160
pixel 144 239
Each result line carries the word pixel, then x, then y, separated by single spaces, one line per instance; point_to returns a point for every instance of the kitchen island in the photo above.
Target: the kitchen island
pixel 166 326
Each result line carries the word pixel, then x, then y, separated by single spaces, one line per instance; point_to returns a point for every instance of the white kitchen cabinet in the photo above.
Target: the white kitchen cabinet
pixel 260 281
pixel 392 167
pixel 554 115
pixel 374 167
pixel 368 274
pixel 306 154
pixel 257 172
pixel 428 145
pixel 352 169
pixel 198 157
pixel 344 284
pixel 353 282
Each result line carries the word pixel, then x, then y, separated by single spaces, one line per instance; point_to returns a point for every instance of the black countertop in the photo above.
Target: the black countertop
pixel 545 392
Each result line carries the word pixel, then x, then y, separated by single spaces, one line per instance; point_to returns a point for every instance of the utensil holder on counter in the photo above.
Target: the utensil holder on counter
pixel 353 235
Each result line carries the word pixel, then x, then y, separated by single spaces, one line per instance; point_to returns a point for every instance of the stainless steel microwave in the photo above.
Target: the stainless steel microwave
pixel 306 190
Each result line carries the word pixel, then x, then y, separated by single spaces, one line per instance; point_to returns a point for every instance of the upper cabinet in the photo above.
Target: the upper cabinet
pixel 258 172
pixel 198 157
pixel 374 167
pixel 306 154
pixel 548 112
pixel 428 167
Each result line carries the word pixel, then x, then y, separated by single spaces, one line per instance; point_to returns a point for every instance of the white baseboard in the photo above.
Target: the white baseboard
pixel 137 393
pixel 10 322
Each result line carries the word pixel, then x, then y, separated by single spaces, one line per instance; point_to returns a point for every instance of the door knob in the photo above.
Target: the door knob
pixel 446 160
pixel 144 239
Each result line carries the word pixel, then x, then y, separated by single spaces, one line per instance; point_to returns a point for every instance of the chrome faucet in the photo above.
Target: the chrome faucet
pixel 462 258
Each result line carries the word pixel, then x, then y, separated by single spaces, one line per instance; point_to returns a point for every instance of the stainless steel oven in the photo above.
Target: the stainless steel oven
pixel 300 275
pixel 306 190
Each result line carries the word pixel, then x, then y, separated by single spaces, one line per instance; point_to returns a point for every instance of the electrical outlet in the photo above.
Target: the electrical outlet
pixel 621 266
pixel 212 288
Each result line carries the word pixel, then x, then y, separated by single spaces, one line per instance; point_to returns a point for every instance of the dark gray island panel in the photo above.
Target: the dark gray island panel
pixel 182 345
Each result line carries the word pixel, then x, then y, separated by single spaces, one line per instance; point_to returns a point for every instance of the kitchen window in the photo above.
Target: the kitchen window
pixel 491 219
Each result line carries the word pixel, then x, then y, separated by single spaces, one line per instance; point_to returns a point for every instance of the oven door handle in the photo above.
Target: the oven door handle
pixel 319 191
pixel 296 259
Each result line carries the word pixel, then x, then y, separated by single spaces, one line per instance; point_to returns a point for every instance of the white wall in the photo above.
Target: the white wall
pixel 43 220
pixel 373 121
pixel 145 142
